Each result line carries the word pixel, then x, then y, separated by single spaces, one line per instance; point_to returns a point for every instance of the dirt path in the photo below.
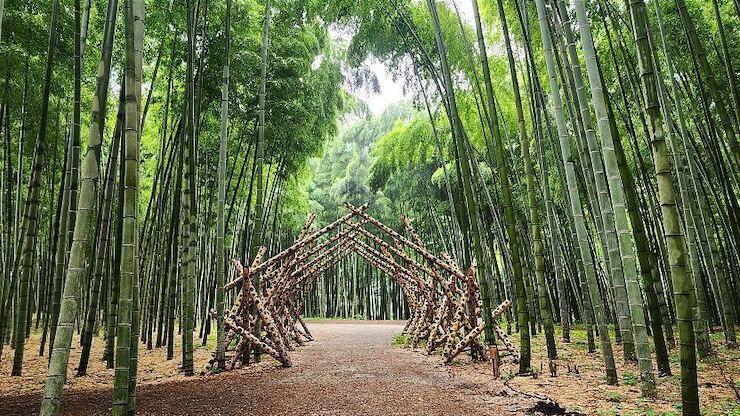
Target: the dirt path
pixel 351 369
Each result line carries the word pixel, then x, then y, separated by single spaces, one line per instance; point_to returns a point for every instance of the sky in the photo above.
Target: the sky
pixel 391 91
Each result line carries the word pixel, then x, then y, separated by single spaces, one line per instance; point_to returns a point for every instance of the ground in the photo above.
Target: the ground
pixel 352 368
pixel 585 389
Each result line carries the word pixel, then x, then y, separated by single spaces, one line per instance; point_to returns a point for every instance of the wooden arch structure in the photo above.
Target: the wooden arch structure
pixel 444 301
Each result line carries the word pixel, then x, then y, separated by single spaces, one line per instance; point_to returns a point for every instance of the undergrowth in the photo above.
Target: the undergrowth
pixel 401 341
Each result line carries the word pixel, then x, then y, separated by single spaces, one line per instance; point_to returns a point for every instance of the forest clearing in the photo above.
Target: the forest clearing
pixel 281 207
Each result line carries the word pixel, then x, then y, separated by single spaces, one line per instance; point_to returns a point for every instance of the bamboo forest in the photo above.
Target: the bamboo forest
pixel 355 207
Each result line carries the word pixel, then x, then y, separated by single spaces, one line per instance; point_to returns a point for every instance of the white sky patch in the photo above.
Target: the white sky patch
pixel 391 91
pixel 317 62
pixel 465 7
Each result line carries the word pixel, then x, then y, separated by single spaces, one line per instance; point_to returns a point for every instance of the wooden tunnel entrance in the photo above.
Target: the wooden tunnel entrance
pixel 444 301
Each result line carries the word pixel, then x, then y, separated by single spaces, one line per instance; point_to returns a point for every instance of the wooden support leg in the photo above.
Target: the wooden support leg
pixel 507 342
pixel 495 361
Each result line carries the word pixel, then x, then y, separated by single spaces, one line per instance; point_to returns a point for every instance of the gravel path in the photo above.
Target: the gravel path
pixel 351 369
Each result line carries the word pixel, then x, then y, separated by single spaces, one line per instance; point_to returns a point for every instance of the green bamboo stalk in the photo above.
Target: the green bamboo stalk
pixel 257 237
pixel 133 164
pixel 659 319
pixel 574 199
pixel 188 201
pixel 81 241
pixel 125 333
pixel 624 233
pixel 620 263
pixel 522 311
pixel 31 209
pixel 97 126
pixel 688 204
pixel 111 320
pixel 537 243
pixel 682 284
pixel 220 226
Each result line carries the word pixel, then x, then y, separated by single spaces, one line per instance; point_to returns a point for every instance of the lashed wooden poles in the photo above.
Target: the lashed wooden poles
pixel 443 300
pixel 297 245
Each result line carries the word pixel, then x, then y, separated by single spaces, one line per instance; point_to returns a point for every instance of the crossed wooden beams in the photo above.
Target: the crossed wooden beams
pixel 443 300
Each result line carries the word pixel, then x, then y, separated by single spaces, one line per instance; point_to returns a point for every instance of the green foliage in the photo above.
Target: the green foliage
pixel 509 375
pixel 629 378
pixel 401 341
pixel 733 412
pixel 409 143
pixel 344 171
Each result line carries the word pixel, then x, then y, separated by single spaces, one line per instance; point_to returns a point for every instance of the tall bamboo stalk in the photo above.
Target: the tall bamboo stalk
pixel 624 233
pixel 257 237
pixel 222 159
pixel 188 199
pixel 129 239
pixel 513 238
pixel 97 127
pixel 619 267
pixel 574 199
pixel 31 209
pixel 537 243
pixel 682 285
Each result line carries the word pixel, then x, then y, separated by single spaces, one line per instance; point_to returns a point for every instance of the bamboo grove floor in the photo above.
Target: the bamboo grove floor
pixel 352 368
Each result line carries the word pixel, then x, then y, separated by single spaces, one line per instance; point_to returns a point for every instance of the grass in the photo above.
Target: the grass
pixel 509 375
pixel 651 412
pixel 629 378
pixel 615 397
pixel 401 341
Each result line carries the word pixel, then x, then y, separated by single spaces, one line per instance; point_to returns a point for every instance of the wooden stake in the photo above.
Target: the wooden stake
pixel 495 361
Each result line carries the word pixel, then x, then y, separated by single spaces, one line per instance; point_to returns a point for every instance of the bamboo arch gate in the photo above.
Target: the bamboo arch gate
pixel 444 301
